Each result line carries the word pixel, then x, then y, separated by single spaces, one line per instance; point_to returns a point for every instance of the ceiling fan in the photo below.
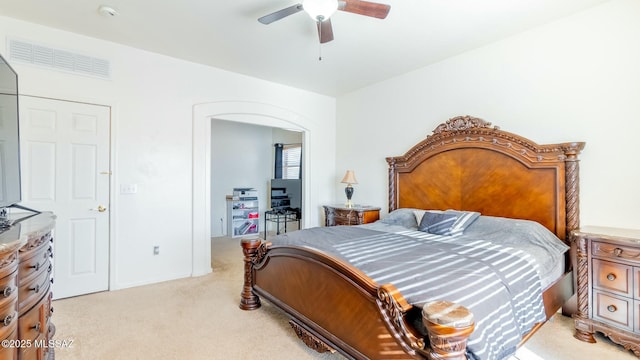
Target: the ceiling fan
pixel 321 11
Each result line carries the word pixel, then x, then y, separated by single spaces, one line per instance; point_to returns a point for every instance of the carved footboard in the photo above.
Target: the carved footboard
pixel 332 305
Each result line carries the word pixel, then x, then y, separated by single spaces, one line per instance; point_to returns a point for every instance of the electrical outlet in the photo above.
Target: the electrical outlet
pixel 156 250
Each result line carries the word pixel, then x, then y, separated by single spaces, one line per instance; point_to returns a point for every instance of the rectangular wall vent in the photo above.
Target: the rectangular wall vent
pixel 58 59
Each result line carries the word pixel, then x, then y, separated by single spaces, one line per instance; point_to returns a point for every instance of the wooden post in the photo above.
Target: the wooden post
pixel 249 300
pixel 449 326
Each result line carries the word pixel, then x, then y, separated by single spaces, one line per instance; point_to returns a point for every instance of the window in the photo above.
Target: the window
pixel 288 161
pixel 291 161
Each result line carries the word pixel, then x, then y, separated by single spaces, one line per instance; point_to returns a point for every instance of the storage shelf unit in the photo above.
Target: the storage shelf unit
pixel 243 215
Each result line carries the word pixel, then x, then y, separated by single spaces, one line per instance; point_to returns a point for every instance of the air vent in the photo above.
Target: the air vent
pixel 58 59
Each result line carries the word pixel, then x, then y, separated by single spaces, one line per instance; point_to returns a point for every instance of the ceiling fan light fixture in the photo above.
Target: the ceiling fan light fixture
pixel 320 10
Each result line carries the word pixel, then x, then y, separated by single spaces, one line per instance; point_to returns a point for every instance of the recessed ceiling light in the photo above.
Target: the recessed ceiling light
pixel 107 10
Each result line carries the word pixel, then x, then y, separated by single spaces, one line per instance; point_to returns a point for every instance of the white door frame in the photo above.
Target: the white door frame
pixel 239 111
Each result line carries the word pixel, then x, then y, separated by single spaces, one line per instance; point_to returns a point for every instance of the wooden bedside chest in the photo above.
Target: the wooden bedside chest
pixel 355 215
pixel 608 280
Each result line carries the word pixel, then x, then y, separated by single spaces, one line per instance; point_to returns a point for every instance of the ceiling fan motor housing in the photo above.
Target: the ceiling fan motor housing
pixel 320 10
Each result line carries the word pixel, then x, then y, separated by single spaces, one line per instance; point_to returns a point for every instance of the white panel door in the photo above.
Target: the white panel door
pixel 65 169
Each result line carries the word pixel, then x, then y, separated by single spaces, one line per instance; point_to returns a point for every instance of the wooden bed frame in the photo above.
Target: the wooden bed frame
pixel 465 164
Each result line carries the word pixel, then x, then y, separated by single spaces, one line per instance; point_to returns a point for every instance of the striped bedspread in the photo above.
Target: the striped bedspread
pixel 500 287
pixel 499 284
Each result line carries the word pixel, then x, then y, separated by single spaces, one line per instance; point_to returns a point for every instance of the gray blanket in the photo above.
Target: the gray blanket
pixel 493 269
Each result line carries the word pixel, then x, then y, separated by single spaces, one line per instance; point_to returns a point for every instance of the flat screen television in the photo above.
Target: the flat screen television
pixel 10 192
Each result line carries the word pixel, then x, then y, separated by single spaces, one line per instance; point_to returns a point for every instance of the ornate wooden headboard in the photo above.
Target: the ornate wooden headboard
pixel 466 164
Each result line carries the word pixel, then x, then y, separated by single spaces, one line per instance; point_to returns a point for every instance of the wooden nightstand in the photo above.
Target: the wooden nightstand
pixel 355 215
pixel 608 280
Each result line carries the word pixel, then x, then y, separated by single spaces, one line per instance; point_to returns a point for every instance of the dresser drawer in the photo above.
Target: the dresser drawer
pixel 8 319
pixel 8 289
pixel 613 309
pixel 31 292
pixel 615 251
pixel 10 353
pixel 8 263
pixel 613 277
pixel 33 262
pixel 35 322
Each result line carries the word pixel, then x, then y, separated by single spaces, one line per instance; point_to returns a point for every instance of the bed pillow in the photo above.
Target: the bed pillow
pixel 450 222
pixel 436 223
pixel 404 217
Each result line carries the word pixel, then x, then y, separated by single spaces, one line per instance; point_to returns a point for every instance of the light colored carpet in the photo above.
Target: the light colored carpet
pixel 199 318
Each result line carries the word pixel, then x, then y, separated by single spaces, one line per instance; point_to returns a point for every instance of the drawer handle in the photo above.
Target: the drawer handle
pixel 7 291
pixel 36 327
pixel 612 308
pixel 611 277
pixel 36 288
pixel 617 252
pixel 7 320
pixel 36 266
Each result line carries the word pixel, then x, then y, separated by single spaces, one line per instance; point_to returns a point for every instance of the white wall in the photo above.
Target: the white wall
pixel 154 99
pixel 576 79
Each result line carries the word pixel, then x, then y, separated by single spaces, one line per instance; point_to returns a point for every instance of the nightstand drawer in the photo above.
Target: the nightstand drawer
pixel 615 251
pixel 345 219
pixel 355 215
pixel 613 277
pixel 612 309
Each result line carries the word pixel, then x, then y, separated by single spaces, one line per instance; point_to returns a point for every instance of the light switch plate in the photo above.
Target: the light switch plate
pixel 128 188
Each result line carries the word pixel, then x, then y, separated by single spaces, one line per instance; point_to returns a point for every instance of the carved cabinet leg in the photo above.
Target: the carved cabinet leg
pixel 449 326
pixel 249 300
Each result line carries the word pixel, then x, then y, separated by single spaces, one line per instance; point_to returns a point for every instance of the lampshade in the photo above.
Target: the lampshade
pixel 320 10
pixel 349 178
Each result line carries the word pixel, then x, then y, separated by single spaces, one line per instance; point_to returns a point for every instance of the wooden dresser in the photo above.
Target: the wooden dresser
pixel 354 215
pixel 608 281
pixel 26 268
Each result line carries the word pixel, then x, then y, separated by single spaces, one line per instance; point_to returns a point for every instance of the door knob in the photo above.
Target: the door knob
pixel 100 208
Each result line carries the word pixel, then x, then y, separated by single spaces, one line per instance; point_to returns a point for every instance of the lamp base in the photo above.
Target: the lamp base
pixel 349 192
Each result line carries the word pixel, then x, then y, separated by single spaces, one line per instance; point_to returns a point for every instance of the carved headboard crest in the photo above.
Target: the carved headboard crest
pixel 475 130
pixel 462 123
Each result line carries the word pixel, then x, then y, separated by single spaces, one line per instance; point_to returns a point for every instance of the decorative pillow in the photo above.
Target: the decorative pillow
pixel 450 222
pixel 420 213
pixel 437 223
pixel 465 218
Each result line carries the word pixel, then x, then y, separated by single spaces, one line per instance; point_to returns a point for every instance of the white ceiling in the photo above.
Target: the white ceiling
pixel 227 35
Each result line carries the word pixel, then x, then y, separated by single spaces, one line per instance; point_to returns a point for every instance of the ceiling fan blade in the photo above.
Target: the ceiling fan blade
pixel 325 31
pixel 365 8
pixel 268 19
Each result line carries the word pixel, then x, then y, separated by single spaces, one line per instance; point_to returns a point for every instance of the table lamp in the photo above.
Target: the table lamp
pixel 349 178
